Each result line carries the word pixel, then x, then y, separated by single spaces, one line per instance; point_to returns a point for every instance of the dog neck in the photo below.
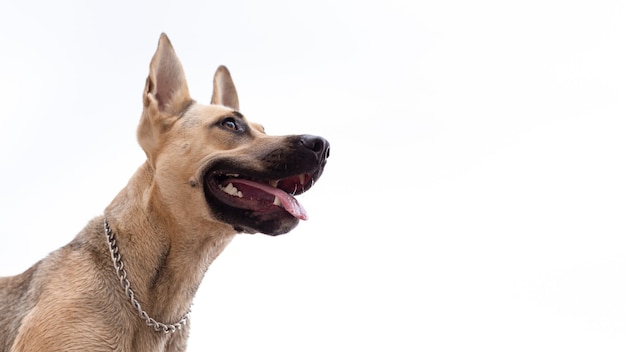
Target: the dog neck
pixel 164 262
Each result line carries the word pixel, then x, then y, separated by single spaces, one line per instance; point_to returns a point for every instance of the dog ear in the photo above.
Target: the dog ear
pixel 166 84
pixel 165 96
pixel 224 92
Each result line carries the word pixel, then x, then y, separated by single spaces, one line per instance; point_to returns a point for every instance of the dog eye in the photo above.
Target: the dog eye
pixel 229 123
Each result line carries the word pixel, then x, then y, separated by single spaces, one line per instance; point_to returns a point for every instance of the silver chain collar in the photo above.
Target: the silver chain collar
pixel 121 274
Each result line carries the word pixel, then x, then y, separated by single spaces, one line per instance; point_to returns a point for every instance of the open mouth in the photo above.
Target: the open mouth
pixel 260 196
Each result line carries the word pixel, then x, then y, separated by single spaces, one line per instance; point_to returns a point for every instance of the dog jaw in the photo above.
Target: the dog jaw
pixel 258 203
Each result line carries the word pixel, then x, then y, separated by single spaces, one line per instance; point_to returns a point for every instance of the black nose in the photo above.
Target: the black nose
pixel 317 145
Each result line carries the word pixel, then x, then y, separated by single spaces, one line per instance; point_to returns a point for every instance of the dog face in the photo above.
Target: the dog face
pixel 212 165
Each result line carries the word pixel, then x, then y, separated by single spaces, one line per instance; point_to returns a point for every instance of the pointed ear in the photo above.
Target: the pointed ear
pixel 224 92
pixel 165 96
pixel 166 86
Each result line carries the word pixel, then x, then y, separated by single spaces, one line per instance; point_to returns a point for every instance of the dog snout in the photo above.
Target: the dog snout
pixel 317 145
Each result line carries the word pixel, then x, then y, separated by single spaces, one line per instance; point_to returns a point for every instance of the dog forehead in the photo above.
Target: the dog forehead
pixel 199 113
pixel 207 114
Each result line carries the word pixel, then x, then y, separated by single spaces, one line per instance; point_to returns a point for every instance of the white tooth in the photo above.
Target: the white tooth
pixel 233 175
pixel 274 183
pixel 301 178
pixel 228 189
pixel 277 201
pixel 232 190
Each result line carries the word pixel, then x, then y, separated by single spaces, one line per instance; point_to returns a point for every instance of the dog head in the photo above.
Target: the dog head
pixel 210 164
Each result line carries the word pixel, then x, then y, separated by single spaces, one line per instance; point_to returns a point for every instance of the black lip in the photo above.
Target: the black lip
pixel 274 221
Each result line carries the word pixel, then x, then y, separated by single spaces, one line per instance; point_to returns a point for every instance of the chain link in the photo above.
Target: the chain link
pixel 121 274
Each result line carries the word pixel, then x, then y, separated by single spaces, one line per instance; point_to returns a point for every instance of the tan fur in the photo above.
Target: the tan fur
pixel 168 236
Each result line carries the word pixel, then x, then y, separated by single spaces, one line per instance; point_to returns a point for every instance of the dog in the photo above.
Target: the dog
pixel 127 280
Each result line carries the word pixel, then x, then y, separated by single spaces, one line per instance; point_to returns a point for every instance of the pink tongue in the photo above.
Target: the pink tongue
pixel 287 201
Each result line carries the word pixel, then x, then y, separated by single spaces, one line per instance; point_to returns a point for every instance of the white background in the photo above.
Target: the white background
pixel 474 200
